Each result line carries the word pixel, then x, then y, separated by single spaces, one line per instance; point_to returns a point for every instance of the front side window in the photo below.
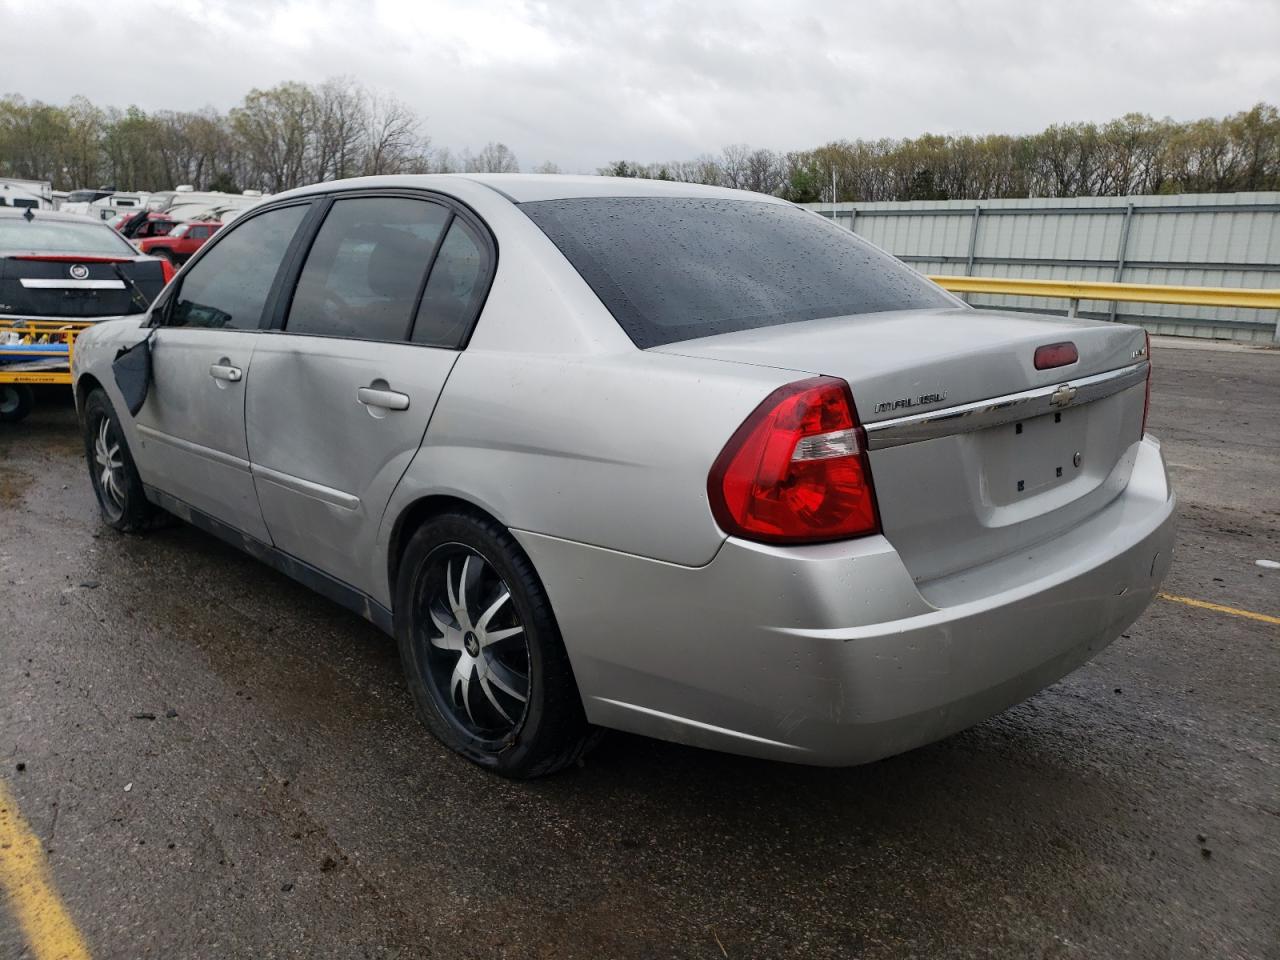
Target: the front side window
pixel 458 281
pixel 365 269
pixel 677 268
pixel 228 287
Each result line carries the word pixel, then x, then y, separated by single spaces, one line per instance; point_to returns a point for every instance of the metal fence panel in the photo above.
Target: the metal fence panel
pixel 1220 240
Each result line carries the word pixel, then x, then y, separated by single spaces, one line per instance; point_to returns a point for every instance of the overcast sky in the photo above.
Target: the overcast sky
pixel 582 82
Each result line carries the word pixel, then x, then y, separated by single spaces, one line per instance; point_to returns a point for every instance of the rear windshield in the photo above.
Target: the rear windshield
pixel 18 235
pixel 671 268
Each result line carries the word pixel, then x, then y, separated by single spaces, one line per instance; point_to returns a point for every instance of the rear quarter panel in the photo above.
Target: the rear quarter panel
pixel 612 451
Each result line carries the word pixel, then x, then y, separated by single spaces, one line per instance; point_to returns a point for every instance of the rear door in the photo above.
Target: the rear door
pixel 192 425
pixel 341 395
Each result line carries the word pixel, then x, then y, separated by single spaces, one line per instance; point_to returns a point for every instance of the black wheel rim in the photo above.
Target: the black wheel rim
pixel 472 644
pixel 108 467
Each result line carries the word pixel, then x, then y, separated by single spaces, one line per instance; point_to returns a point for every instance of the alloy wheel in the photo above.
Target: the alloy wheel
pixel 108 460
pixel 476 652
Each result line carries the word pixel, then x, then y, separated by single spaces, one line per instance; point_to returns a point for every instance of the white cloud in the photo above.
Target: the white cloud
pixel 581 82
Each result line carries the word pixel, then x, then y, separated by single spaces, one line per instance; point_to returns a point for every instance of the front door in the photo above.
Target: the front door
pixel 341 397
pixel 191 429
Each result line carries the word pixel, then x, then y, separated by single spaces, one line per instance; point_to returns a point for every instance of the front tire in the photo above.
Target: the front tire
pixel 481 650
pixel 16 401
pixel 121 500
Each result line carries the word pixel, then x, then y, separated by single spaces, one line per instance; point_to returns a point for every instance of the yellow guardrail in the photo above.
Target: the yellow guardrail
pixel 1077 290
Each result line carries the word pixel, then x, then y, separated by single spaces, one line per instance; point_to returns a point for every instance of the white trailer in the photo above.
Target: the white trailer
pixel 33 194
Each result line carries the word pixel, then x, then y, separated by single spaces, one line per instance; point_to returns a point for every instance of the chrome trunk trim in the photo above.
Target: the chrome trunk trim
pixel 982 414
pixel 29 283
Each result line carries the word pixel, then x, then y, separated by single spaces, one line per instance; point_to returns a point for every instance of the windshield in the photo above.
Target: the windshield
pixel 18 235
pixel 671 268
pixel 180 230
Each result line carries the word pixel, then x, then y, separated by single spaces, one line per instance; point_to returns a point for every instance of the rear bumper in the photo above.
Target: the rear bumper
pixel 831 654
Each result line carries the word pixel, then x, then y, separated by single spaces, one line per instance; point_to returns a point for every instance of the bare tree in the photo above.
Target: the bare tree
pixel 395 142
pixel 494 158
pixel 734 161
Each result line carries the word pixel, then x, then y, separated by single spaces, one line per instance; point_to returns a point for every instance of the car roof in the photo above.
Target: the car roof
pixel 20 213
pixel 531 187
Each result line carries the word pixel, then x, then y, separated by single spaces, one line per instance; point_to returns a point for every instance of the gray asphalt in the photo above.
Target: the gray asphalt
pixel 284 802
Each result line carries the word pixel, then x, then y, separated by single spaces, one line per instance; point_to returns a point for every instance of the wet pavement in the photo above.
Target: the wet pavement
pixel 223 764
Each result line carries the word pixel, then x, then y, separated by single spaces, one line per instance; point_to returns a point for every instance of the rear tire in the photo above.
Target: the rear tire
pixel 16 402
pixel 481 650
pixel 121 499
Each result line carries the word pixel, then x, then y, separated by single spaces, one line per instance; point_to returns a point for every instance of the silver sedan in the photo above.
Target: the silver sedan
pixel 688 462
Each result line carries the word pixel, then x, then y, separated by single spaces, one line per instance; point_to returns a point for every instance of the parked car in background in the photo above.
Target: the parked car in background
pixel 59 267
pixel 55 265
pixel 180 242
pixel 678 460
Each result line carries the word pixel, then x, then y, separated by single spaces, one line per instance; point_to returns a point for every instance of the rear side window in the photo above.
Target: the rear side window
pixel 365 270
pixel 673 268
pixel 228 286
pixel 457 285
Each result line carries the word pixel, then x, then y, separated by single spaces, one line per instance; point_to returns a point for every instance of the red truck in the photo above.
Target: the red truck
pixel 181 242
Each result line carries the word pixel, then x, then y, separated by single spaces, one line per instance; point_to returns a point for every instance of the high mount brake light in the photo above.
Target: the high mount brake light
pixel 796 471
pixel 1056 355
pixel 66 258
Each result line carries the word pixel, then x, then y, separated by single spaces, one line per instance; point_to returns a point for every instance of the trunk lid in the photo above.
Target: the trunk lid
pixel 965 496
pixel 53 285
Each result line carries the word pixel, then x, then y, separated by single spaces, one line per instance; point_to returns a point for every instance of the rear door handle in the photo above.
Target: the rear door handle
pixel 225 371
pixel 387 399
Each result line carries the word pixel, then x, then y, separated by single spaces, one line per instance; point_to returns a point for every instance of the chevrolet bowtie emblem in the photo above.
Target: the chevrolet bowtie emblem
pixel 1063 396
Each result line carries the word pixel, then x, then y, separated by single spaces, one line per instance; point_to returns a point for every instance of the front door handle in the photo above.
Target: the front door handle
pixel 386 399
pixel 225 371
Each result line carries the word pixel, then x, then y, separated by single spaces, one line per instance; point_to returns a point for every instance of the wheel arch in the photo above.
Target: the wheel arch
pixel 412 516
pixel 85 385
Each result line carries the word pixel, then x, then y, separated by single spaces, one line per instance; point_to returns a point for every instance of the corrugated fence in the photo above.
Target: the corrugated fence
pixel 1219 240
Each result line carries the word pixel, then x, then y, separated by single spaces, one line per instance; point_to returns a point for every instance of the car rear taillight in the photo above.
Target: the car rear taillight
pixel 1146 401
pixel 166 269
pixel 796 471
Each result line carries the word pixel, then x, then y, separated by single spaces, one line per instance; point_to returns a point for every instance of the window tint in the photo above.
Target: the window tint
pixel 672 269
pixel 365 268
pixel 454 289
pixel 229 285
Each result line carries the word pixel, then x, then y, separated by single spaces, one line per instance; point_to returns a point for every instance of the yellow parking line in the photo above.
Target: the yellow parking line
pixel 1234 611
pixel 24 875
